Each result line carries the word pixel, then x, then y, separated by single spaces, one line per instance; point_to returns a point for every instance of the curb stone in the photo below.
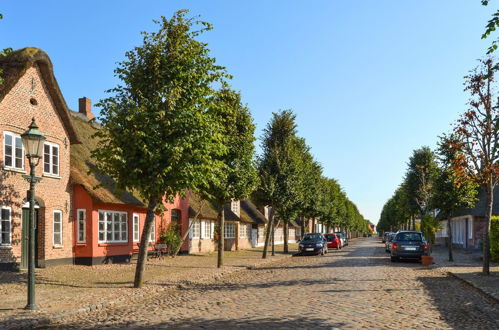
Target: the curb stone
pixel 46 320
pixel 477 288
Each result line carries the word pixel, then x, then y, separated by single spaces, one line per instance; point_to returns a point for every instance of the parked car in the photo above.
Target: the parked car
pixel 388 242
pixel 313 243
pixel 343 237
pixel 333 241
pixel 385 236
pixel 408 244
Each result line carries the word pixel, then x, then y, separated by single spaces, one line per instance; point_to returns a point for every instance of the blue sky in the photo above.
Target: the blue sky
pixel 369 81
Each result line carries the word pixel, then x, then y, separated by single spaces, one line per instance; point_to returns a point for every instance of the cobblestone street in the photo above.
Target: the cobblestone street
pixel 357 287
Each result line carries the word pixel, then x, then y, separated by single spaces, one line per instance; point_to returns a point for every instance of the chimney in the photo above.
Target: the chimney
pixel 85 107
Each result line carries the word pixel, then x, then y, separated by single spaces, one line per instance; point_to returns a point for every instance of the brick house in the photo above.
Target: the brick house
pixel 30 90
pixel 468 225
pixel 244 225
pixel 108 225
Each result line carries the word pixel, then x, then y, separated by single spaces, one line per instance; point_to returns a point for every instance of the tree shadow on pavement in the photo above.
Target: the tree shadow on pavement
pixel 460 305
pixel 219 323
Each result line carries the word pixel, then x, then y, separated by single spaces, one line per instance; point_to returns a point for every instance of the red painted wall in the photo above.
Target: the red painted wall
pixel 92 247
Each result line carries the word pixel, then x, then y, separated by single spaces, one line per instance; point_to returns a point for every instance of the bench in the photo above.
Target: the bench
pixel 160 250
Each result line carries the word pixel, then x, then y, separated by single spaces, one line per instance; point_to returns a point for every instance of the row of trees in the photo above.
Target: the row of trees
pixel 174 125
pixel 465 161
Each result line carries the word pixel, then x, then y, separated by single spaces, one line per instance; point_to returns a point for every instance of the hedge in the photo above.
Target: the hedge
pixel 494 238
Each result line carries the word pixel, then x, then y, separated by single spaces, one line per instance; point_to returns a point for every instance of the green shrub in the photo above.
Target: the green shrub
pixel 494 238
pixel 172 238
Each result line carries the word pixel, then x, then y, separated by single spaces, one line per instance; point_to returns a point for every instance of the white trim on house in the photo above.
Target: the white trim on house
pixel 13 137
pixel 81 233
pixel 109 226
pixel 135 227
pixel 53 169
pixel 2 224
pixel 54 232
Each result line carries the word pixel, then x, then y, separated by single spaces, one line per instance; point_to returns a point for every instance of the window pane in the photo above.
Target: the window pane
pixel 46 158
pixel 8 150
pixel 5 214
pixel 57 238
pixel 55 160
pixel 19 153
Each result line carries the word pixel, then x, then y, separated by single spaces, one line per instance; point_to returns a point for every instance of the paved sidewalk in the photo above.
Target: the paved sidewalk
pixel 467 266
pixel 63 290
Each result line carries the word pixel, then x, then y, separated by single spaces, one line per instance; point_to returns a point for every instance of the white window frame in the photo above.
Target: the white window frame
pixel 208 233
pixel 234 206
pixel 84 220
pixel 470 228
pixel 232 232
pixel 53 228
pixel 2 243
pixel 152 236
pixel 135 227
pixel 13 155
pixel 196 229
pixel 243 230
pixel 110 225
pixel 51 159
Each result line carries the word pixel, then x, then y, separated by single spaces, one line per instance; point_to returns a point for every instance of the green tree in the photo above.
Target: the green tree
pixel 478 148
pixel 238 177
pixel 419 180
pixel 449 194
pixel 491 26
pixel 277 169
pixel 160 135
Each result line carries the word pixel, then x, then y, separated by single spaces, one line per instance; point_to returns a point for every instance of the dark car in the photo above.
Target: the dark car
pixel 388 242
pixel 408 245
pixel 313 243
pixel 343 237
pixel 333 241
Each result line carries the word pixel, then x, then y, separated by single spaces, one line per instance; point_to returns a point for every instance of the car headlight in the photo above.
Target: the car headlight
pixel 319 245
pixel 301 245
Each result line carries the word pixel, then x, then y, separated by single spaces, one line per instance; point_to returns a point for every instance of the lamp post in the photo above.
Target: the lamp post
pixel 33 144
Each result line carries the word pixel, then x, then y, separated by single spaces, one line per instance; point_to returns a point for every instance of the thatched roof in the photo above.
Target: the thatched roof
pixel 100 187
pixel 15 65
pixel 208 210
pixel 251 214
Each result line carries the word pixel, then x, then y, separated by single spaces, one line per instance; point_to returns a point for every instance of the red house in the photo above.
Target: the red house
pixel 108 225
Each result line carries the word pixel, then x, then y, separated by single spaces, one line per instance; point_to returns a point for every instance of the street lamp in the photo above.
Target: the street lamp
pixel 33 144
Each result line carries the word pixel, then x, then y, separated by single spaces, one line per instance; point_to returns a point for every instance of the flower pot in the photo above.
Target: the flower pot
pixel 426 260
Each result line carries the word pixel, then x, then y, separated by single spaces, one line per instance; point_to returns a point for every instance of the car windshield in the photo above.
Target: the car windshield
pixel 331 237
pixel 312 237
pixel 406 237
pixel 340 234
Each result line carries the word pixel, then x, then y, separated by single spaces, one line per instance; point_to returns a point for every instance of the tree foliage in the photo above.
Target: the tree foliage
pixel 161 134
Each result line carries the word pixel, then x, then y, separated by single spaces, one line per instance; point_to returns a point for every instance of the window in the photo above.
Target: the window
pixel 235 206
pixel 81 214
pixel 248 231
pixel 196 229
pixel 152 237
pixel 176 219
pixel 230 230
pixel 113 227
pixel 5 225
pixel 242 231
pixel 470 228
pixel 136 228
pixel 298 231
pixel 51 158
pixel 57 228
pixel 207 229
pixel 13 151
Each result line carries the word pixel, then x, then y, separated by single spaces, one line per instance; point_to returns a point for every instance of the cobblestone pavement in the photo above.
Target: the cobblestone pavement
pixel 357 287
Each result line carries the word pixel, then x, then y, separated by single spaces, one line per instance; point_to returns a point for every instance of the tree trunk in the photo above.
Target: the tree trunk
pixel 449 237
pixel 267 233
pixel 221 235
pixel 273 237
pixel 313 225
pixel 144 242
pixel 286 234
pixel 486 234
pixel 302 226
pixel 413 222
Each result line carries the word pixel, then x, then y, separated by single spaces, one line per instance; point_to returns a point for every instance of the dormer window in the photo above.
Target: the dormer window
pixel 235 206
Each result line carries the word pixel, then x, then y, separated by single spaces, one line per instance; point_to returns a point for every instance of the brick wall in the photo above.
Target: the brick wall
pixel 27 99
